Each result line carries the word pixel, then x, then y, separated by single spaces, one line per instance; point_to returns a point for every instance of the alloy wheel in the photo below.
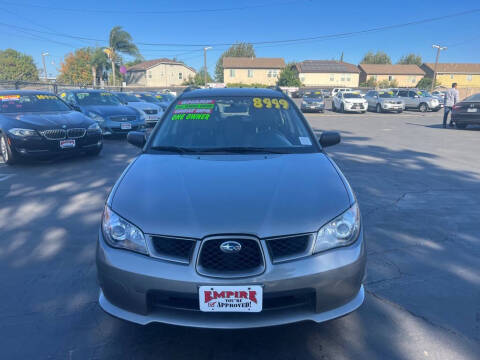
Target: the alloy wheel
pixel 3 148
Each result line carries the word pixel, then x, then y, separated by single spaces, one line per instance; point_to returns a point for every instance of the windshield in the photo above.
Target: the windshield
pixel 20 103
pixel 127 97
pixel 424 93
pixel 386 94
pixel 233 124
pixel 314 95
pixel 351 96
pixel 148 98
pixel 165 97
pixel 475 98
pixel 97 98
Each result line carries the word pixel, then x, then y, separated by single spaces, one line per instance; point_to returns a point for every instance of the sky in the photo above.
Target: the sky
pixel 33 27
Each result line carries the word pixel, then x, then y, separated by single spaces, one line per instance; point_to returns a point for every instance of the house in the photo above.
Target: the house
pixel 327 73
pixel 464 74
pixel 245 70
pixel 403 75
pixel 158 73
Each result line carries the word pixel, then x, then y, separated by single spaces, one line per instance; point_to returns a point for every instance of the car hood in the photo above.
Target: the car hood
pixel 48 120
pixel 261 195
pixel 109 110
pixel 390 99
pixel 143 105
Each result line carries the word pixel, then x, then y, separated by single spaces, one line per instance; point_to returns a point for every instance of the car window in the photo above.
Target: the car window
pixel 127 97
pixel 402 93
pixel 96 98
pixel 241 122
pixel 475 97
pixel 386 94
pixel 412 94
pixel 21 103
pixel 351 96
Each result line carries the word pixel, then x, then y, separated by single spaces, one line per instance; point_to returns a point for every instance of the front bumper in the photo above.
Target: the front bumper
pixel 40 146
pixel 309 107
pixel 355 107
pixel 393 107
pixel 466 118
pixel 115 127
pixel 128 280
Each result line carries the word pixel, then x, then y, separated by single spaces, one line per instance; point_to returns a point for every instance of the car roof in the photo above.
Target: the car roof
pixel 26 92
pixel 87 90
pixel 231 92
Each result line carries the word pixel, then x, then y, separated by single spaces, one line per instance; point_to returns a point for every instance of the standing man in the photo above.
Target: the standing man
pixel 451 98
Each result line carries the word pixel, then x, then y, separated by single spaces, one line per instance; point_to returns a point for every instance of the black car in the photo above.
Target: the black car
pixel 37 124
pixel 467 112
pixel 313 101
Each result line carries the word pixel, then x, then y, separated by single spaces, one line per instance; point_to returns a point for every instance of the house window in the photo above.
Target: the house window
pixel 332 77
pixel 412 79
pixel 232 72
pixel 180 76
pixel 469 77
pixel 452 76
pixel 149 74
pixel 272 73
pixel 391 77
pixel 374 77
pixel 250 73
pixel 349 78
pixel 343 77
pixel 302 79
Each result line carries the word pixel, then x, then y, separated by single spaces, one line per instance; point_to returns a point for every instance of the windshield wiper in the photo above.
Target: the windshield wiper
pixel 177 149
pixel 243 150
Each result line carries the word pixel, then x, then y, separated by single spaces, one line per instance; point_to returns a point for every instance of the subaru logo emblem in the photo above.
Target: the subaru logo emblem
pixel 230 247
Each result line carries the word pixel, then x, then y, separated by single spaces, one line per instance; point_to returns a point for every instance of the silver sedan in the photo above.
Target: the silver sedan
pixel 232 216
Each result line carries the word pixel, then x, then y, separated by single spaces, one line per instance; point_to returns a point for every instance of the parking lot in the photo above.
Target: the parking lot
pixel 418 187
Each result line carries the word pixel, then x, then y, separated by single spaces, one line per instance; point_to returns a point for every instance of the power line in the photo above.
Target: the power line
pixel 151 12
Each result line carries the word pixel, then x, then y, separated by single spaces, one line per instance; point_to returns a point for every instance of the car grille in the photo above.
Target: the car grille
pixel 304 298
pixel 54 134
pixel 292 247
pixel 123 118
pixel 151 112
pixel 173 249
pixel 76 133
pixel 246 262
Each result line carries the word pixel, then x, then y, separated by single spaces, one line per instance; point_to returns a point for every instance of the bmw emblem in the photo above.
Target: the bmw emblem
pixel 230 247
pixel 64 126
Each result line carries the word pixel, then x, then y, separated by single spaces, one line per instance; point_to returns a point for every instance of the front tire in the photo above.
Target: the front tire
pixel 9 155
pixel 423 107
pixel 95 152
pixel 379 108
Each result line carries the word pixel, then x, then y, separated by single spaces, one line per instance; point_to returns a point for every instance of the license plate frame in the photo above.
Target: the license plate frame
pixel 472 110
pixel 126 126
pixel 67 144
pixel 234 298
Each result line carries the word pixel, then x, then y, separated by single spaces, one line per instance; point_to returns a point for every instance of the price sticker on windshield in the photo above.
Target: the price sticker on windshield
pixel 106 94
pixel 46 97
pixel 269 103
pixel 9 97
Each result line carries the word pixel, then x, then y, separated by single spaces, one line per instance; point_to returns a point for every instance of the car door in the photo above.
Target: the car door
pixel 413 99
pixel 403 94
pixel 371 100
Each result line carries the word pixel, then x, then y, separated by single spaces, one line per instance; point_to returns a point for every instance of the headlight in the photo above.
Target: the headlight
pixel 119 233
pixel 94 128
pixel 22 132
pixel 95 117
pixel 341 231
pixel 346 102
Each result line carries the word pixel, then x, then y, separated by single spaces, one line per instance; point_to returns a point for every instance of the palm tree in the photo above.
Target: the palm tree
pixel 98 61
pixel 120 41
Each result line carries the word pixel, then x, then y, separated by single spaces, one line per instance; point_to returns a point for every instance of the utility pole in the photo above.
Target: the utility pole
pixel 205 64
pixel 44 66
pixel 439 48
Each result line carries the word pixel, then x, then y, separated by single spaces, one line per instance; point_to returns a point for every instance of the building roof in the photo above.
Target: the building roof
pixel 326 66
pixel 253 63
pixel 389 69
pixel 455 67
pixel 152 63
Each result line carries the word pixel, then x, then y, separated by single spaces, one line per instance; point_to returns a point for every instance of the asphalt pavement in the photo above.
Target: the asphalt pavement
pixel 419 192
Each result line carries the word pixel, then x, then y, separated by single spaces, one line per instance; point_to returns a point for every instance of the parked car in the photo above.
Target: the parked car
pixel 39 124
pixel 349 101
pixel 416 99
pixel 153 98
pixel 313 101
pixel 169 92
pixel 440 95
pixel 337 90
pixel 150 111
pixel 326 93
pixel 256 255
pixel 382 101
pixel 106 109
pixel 467 112
pixel 164 98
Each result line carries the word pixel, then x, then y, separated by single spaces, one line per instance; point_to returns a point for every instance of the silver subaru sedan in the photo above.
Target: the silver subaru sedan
pixel 232 216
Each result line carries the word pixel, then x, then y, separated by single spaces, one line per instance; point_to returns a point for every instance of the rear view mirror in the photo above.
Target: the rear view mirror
pixel 329 138
pixel 137 138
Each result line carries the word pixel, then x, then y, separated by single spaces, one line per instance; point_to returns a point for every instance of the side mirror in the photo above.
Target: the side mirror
pixel 416 96
pixel 329 138
pixel 137 138
pixel 376 96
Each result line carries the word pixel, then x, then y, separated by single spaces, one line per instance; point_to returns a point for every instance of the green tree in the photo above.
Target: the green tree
pixel 98 62
pixel 410 59
pixel 76 68
pixel 134 62
pixel 236 50
pixel 17 66
pixel 198 79
pixel 379 58
pixel 289 76
pixel 426 83
pixel 120 42
pixel 371 82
